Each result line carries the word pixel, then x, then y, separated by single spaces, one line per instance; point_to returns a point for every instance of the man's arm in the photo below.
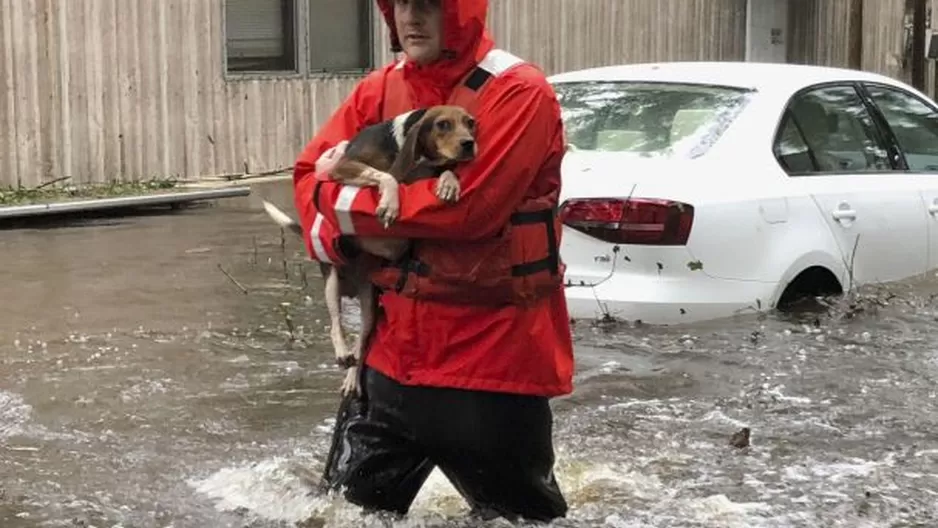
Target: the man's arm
pixel 519 130
pixel 358 110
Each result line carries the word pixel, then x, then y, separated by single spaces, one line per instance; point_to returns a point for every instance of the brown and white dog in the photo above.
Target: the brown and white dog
pixel 416 145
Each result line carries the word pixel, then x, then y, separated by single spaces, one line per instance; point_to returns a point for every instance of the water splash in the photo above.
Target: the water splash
pixel 16 417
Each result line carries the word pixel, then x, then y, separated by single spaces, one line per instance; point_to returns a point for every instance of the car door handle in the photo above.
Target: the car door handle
pixel 844 214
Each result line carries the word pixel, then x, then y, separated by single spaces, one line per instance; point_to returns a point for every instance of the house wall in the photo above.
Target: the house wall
pixel 107 90
pixel 826 32
pixel 862 34
pixel 767 30
pixel 112 90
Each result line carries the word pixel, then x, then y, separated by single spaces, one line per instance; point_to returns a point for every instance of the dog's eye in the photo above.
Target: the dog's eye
pixel 470 123
pixel 444 125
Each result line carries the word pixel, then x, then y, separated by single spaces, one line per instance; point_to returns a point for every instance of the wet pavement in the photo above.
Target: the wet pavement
pixel 141 387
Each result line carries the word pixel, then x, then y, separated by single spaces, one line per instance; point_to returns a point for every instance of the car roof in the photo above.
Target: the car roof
pixel 763 77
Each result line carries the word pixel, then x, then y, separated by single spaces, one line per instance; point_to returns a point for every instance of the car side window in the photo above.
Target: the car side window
pixel 791 150
pixel 838 131
pixel 914 123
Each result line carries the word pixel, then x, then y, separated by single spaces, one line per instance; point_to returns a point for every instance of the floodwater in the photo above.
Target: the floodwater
pixel 141 387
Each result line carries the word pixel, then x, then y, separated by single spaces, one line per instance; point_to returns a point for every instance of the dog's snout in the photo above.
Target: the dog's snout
pixel 467 144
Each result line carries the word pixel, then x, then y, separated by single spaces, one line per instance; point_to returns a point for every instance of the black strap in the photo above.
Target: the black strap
pixel 553 252
pixel 477 79
pixel 533 217
pixel 550 263
pixel 530 268
pixel 408 264
pixel 316 195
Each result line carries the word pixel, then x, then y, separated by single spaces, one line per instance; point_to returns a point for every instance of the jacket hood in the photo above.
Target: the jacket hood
pixel 465 37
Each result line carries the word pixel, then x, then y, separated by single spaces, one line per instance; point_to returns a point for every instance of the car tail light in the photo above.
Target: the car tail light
pixel 641 221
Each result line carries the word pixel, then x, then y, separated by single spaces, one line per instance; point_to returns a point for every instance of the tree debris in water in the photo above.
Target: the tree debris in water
pixel 740 439
pixel 233 280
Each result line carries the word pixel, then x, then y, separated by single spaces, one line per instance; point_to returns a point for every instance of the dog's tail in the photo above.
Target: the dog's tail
pixel 282 219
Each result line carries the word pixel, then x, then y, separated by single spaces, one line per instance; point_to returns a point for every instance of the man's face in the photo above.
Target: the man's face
pixel 420 28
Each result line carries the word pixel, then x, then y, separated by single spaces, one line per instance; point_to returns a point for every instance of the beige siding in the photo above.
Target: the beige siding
pixel 861 34
pixel 826 32
pixel 930 79
pixel 106 90
pixel 79 98
pixel 571 34
pixel 883 37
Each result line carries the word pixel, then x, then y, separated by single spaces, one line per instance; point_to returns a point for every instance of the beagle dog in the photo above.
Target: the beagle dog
pixel 419 144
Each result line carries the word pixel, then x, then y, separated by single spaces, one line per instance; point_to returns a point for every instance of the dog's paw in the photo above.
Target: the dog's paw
pixel 387 215
pixel 388 206
pixel 350 383
pixel 447 187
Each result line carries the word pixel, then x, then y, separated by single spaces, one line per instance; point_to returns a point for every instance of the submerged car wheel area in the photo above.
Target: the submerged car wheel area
pixel 816 281
pixel 697 191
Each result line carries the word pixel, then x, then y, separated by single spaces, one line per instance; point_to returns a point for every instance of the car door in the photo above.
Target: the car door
pixel 874 211
pixel 911 121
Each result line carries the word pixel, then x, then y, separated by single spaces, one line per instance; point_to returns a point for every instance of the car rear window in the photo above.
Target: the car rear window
pixel 647 118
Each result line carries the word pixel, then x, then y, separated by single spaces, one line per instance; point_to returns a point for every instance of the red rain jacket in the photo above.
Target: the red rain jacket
pixel 524 350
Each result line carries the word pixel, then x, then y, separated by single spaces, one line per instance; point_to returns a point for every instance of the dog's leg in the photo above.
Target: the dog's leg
pixel 447 187
pixel 369 308
pixel 333 296
pixel 353 172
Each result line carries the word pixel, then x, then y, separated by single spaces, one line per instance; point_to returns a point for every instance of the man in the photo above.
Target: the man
pixel 473 338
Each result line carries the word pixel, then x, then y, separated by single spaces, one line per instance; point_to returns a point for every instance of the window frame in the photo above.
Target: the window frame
pixel 898 153
pixel 883 135
pixel 301 42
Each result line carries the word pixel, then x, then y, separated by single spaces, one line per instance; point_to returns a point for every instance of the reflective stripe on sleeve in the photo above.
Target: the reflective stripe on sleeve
pixel 343 208
pixel 319 250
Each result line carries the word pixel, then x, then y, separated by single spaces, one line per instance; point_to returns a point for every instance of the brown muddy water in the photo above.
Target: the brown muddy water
pixel 140 387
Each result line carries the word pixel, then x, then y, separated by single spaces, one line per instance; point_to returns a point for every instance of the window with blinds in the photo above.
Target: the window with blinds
pixel 260 35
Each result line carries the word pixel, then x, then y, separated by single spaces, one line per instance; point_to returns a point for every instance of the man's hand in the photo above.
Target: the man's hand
pixel 327 161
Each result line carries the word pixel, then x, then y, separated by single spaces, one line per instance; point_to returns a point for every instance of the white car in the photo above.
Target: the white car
pixel 699 190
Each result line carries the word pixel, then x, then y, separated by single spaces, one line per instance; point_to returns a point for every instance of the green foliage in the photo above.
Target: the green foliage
pixel 49 193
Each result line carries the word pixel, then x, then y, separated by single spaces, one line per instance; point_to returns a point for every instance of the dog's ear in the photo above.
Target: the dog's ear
pixel 413 146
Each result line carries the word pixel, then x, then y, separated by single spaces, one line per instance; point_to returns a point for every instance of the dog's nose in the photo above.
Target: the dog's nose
pixel 467 145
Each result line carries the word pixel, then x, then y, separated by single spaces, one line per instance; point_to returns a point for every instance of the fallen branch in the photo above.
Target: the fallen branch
pixel 254 256
pixel 285 310
pixel 232 279
pixel 52 182
pixel 231 176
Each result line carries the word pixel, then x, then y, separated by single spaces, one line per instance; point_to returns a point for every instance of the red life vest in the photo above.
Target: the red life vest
pixel 518 266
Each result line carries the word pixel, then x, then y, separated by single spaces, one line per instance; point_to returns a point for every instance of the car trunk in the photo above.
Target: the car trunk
pixel 626 214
